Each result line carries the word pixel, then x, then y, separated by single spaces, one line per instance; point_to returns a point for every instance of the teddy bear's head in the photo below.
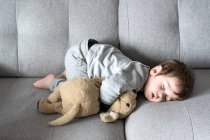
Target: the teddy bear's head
pixel 125 104
pixel 121 108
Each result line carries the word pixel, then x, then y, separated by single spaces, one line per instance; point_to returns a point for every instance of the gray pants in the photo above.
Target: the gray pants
pixel 75 61
pixel 75 64
pixel 55 83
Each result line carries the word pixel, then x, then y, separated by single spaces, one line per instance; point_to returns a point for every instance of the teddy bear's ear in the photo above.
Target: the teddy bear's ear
pixel 133 94
pixel 98 81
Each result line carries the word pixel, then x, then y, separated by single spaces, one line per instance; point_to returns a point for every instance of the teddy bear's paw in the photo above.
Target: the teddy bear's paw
pixel 109 116
pixel 41 105
pixel 51 98
pixel 41 101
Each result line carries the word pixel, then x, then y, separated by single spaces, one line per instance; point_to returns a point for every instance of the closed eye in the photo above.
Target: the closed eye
pixel 163 87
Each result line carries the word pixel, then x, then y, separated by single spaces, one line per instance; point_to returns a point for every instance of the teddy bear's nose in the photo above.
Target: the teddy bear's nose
pixel 127 104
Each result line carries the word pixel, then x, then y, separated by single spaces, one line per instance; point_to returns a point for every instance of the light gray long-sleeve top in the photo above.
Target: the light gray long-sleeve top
pixel 120 72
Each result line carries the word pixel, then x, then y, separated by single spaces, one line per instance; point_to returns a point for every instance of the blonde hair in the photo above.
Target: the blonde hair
pixel 184 74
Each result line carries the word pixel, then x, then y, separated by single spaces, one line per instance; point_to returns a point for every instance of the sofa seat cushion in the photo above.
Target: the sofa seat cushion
pixel 177 120
pixel 20 119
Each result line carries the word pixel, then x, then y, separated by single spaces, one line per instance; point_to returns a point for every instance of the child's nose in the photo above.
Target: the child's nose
pixel 158 95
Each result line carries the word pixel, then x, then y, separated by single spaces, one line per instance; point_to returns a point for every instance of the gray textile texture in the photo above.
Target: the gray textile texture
pixel 153 31
pixel 8 39
pixel 149 30
pixel 35 34
pixel 97 19
pixel 195 32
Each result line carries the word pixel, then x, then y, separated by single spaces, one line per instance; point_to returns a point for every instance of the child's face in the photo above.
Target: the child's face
pixel 159 88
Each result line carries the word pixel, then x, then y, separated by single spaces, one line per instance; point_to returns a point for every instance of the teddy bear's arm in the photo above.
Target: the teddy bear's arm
pixel 109 116
pixel 54 96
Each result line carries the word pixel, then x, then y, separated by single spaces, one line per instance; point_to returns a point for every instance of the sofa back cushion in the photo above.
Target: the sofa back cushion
pixel 8 38
pixel 35 35
pixel 194 24
pixel 154 31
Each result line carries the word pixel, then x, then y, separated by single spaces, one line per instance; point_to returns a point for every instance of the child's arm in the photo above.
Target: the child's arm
pixel 125 80
pixel 112 87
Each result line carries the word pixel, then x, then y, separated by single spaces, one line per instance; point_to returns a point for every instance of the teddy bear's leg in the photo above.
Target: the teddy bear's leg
pixel 54 96
pixel 45 107
pixel 109 116
pixel 67 117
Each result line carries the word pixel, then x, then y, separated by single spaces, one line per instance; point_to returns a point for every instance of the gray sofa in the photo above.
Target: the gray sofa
pixel 35 34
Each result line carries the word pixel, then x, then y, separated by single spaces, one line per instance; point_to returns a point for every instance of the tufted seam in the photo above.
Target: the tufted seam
pixel 191 124
pixel 179 43
pixel 128 23
pixel 53 133
pixel 18 64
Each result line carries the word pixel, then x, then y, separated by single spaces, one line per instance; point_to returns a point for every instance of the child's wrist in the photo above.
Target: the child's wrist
pixel 104 107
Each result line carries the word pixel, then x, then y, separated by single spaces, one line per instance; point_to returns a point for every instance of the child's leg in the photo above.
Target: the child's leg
pixel 55 82
pixel 45 82
pixel 75 61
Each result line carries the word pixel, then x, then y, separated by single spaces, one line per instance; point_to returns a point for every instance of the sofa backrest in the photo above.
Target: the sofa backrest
pixel 35 34
pixel 166 29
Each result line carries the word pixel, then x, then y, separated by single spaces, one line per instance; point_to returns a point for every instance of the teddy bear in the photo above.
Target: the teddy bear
pixel 79 97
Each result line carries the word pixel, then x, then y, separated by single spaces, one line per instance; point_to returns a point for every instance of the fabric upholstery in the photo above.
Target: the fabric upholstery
pixel 194 32
pixel 42 36
pixel 36 34
pixel 149 30
pixel 8 39
pixel 97 19
pixel 154 31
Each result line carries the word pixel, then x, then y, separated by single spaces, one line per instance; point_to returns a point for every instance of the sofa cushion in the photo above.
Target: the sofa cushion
pixel 35 35
pixel 194 25
pixel 93 19
pixel 20 119
pixel 177 120
pixel 8 39
pixel 42 36
pixel 154 31
pixel 149 30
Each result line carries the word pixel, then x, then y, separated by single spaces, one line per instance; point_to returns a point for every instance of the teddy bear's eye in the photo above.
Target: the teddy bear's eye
pixel 127 104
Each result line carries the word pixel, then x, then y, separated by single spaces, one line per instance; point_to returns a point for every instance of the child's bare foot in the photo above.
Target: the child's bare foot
pixel 44 83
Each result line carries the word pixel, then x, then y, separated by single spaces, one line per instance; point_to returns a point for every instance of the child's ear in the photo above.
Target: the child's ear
pixel 155 70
